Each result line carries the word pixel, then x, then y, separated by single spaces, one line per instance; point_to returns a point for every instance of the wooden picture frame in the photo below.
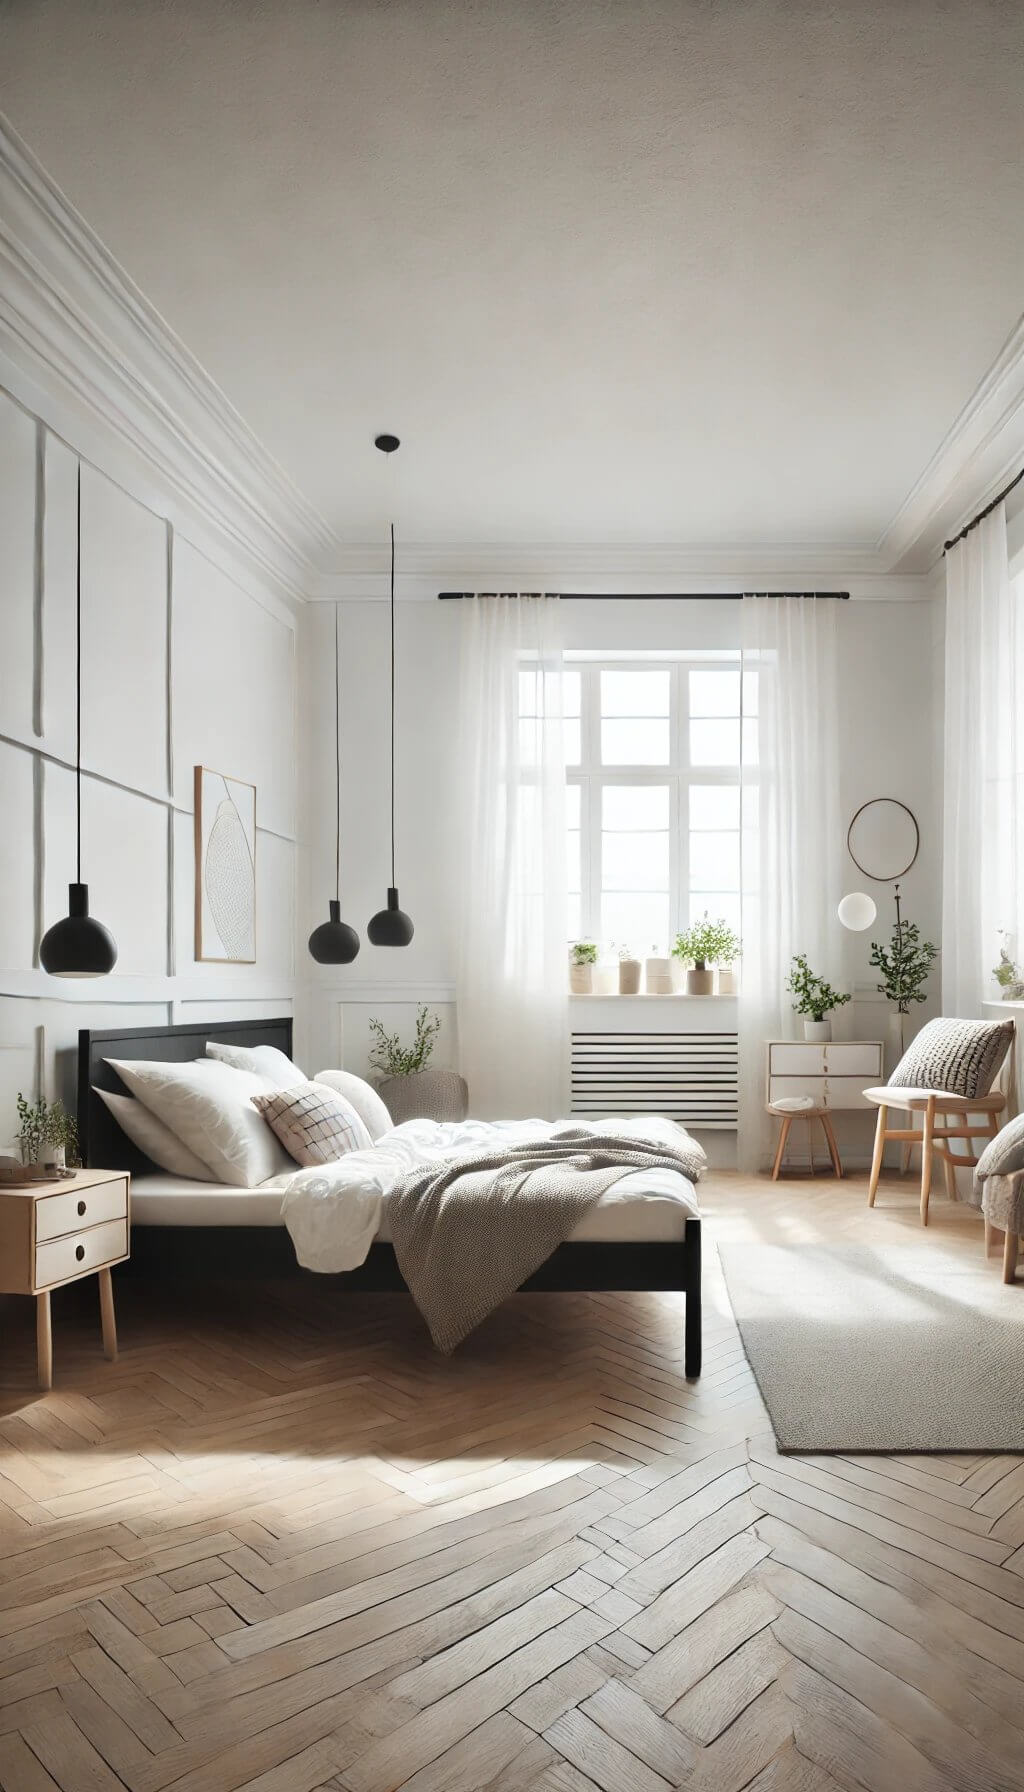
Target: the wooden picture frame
pixel 225 868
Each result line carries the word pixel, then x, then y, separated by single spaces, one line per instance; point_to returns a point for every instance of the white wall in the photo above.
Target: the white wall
pixel 888 732
pixel 181 666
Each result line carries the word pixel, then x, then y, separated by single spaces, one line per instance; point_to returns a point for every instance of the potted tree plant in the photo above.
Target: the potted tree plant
pixel 904 964
pixel 582 959
pixel 407 1088
pixel 702 946
pixel 47 1133
pixel 816 1000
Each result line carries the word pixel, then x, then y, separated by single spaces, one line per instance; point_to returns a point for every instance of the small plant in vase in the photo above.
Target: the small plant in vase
pixel 706 944
pixel 630 971
pixel 582 959
pixel 904 964
pixel 47 1133
pixel 816 1000
pixel 1008 974
pixel 409 1088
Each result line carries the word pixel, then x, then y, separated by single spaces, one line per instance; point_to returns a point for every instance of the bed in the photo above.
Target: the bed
pixel 650 1242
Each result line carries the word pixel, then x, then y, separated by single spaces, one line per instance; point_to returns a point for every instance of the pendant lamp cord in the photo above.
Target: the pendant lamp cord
pixel 78 682
pixel 392 706
pixel 337 764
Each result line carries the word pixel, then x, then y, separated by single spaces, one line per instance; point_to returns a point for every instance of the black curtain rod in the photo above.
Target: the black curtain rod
pixel 616 597
pixel 982 514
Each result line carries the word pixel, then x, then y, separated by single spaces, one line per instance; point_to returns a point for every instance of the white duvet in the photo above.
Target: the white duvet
pixel 334 1211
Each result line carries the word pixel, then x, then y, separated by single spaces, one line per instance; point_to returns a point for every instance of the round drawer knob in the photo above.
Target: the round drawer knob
pixel 79 1252
pixel 81 1208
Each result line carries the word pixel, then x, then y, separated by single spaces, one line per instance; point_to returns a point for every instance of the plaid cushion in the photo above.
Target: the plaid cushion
pixel 954 1057
pixel 314 1125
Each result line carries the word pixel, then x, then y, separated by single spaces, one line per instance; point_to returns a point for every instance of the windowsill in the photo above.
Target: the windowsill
pixel 677 995
pixel 1001 1007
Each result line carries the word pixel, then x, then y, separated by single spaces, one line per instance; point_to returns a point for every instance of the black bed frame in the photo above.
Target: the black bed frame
pixel 267 1250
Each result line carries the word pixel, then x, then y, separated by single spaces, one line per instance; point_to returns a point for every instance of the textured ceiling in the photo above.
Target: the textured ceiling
pixel 615 270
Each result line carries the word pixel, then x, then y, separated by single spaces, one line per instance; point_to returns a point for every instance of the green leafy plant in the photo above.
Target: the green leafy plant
pixel 395 1059
pixel 707 942
pixel 815 997
pixel 583 952
pixel 1008 973
pixel 904 963
pixel 44 1123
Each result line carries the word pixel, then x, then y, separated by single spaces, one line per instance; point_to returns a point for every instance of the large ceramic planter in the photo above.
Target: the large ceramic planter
pixel 426 1095
pixel 700 981
pixel 818 1029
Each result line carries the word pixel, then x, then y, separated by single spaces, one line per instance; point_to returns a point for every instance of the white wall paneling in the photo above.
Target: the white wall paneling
pixel 181 665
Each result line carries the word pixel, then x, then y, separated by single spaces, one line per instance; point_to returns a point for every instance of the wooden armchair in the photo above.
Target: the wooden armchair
pixel 943 1117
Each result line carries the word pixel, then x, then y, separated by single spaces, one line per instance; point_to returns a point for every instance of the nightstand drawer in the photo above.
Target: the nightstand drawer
pixel 81 1252
pixel 795 1058
pixel 57 1215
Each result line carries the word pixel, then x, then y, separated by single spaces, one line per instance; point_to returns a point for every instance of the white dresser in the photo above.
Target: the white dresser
pixel 833 1072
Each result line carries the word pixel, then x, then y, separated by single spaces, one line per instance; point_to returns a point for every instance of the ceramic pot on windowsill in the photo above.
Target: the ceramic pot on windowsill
pixel 726 980
pixel 818 1029
pixel 700 980
pixel 630 970
pixel 581 979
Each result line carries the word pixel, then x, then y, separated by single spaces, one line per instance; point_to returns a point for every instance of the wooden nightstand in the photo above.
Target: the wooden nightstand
pixel 57 1232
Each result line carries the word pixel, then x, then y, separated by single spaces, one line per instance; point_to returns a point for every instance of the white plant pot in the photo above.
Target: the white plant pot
pixel 817 1029
pixel 659 976
pixel 726 980
pixel 581 979
pixel 700 982
pixel 630 972
pixel 606 979
pixel 897 1038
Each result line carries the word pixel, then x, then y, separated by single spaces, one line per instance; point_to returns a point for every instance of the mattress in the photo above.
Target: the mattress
pixel 645 1207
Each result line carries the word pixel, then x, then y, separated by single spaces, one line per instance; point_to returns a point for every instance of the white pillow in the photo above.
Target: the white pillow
pixel 362 1097
pixel 208 1106
pixel 154 1138
pixel 259 1060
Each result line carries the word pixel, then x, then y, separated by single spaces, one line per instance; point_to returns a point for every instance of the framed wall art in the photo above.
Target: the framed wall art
pixel 225 839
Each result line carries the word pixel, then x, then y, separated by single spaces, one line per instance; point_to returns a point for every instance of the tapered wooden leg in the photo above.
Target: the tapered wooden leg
pixel 787 1121
pixel 107 1315
pixel 830 1140
pixel 810 1145
pixel 926 1157
pixel 44 1341
pixel 950 1172
pixel 876 1161
pixel 1010 1257
pixel 905 1151
pixel 990 1235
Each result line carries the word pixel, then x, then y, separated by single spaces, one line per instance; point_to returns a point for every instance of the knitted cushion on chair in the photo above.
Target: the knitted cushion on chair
pixel 1002 1155
pixel 954 1057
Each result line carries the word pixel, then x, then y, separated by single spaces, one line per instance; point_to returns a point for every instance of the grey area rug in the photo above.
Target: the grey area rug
pixel 857 1350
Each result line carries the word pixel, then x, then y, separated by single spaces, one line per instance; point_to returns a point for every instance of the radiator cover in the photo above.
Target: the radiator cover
pixel 691 1077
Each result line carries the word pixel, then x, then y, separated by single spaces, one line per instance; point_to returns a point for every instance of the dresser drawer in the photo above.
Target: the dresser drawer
pixel 854 1057
pixel 81 1252
pixel 790 1057
pixel 57 1215
pixel 824 1091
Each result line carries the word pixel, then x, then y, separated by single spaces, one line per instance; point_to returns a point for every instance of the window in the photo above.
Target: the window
pixel 656 755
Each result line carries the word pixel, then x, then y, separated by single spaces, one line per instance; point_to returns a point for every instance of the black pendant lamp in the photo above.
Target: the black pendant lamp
pixel 391 926
pixel 334 941
pixel 78 946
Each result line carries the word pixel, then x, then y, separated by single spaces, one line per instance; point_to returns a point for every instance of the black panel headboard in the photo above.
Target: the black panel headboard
pixel 104 1145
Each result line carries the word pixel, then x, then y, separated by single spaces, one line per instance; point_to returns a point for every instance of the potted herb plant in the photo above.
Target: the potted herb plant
pixel 408 1088
pixel 47 1133
pixel 702 946
pixel 1008 974
pixel 582 959
pixel 816 1000
pixel 904 964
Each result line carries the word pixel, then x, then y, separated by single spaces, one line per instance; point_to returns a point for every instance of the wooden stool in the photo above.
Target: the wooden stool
pixel 787 1116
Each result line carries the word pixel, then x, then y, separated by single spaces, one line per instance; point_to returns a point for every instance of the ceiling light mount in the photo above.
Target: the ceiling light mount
pixel 391 926
pixel 386 444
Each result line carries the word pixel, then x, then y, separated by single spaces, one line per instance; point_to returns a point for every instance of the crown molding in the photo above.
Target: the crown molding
pixel 75 323
pixel 982 450
pixel 361 570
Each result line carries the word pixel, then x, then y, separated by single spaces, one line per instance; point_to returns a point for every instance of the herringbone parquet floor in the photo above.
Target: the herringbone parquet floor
pixel 280 1545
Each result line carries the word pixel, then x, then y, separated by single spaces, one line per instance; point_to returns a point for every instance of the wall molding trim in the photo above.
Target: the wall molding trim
pixel 75 322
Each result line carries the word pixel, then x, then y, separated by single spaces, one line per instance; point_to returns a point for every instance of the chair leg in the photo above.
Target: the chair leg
pixel 926 1157
pixel 990 1236
pixel 950 1174
pixel 905 1151
pixel 787 1121
pixel 810 1146
pixel 876 1160
pixel 1010 1257
pixel 830 1140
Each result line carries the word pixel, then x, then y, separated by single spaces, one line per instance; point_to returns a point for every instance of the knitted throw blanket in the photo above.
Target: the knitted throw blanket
pixel 469 1231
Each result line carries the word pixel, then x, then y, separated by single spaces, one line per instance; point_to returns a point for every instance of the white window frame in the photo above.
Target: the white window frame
pixel 591 775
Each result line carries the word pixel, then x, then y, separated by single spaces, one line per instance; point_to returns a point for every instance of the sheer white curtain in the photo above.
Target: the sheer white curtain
pixel 513 1013
pixel 792 836
pixel 983 824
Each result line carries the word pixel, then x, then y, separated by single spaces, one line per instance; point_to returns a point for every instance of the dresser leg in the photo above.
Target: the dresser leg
pixel 107 1315
pixel 44 1340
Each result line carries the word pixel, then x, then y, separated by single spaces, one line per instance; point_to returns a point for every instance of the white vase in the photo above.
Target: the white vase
pixel 659 976
pixel 630 971
pixel 817 1029
pixel 726 980
pixel 581 979
pixel 897 1034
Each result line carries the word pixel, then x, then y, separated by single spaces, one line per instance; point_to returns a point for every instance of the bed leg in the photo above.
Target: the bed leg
pixel 691 1284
